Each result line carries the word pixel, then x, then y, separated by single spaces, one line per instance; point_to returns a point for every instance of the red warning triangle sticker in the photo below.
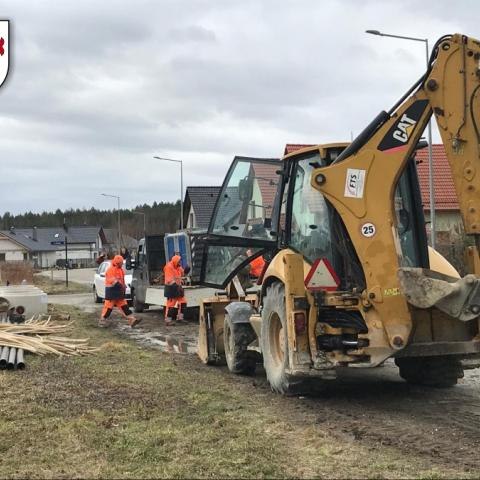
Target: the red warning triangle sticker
pixel 322 276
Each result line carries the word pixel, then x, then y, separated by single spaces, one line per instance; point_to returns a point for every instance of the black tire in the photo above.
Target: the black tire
pixel 275 345
pixel 96 298
pixel 192 314
pixel 138 306
pixel 440 372
pixel 237 337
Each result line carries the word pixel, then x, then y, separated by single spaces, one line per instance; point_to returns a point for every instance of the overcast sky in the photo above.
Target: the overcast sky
pixel 99 87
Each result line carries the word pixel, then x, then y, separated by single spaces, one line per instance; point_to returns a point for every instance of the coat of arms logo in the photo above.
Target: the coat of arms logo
pixel 4 50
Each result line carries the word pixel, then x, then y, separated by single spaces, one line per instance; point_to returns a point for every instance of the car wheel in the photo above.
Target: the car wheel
pixel 96 298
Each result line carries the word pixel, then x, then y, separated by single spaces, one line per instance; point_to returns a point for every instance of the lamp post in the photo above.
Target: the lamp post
pixel 136 212
pixel 118 209
pixel 181 184
pixel 430 155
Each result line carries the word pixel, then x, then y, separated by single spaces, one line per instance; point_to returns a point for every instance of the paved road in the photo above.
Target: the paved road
pixel 81 300
pixel 79 275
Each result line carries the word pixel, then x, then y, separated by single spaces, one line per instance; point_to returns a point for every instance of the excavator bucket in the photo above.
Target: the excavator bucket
pixel 423 288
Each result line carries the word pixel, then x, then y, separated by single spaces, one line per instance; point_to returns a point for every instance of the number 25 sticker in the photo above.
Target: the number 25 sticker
pixel 368 230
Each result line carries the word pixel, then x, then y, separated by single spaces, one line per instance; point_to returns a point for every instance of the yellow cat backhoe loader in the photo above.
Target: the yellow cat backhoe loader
pixel 349 279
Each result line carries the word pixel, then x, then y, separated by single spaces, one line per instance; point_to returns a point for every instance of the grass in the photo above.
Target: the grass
pixel 131 412
pixel 58 287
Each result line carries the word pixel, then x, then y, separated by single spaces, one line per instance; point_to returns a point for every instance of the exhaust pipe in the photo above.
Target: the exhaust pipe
pixel 20 365
pixel 11 358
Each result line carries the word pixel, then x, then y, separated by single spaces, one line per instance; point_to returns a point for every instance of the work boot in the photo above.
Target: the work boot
pixel 169 321
pixel 103 323
pixel 180 318
pixel 132 321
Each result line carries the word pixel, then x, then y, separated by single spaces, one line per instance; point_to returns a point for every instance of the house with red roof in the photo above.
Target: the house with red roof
pixel 447 213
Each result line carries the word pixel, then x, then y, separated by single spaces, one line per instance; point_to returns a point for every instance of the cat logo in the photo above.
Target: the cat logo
pixel 404 129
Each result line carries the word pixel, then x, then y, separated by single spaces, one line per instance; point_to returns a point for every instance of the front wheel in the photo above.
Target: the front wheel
pixel 237 337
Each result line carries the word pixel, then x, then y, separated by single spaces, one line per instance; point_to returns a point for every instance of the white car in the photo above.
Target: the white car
pixel 99 282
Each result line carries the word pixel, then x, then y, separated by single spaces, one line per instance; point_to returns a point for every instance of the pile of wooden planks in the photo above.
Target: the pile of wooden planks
pixel 41 336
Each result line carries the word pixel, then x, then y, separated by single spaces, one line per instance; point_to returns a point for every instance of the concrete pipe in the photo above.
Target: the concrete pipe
pixel 20 365
pixel 4 358
pixel 4 305
pixel 11 358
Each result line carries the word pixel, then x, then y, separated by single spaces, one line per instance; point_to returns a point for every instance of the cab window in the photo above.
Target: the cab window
pixel 310 232
pixel 245 205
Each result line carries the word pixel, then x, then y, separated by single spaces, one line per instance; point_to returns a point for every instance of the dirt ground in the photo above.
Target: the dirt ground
pixel 371 409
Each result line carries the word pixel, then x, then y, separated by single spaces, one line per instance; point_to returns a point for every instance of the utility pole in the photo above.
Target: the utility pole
pixel 181 185
pixel 66 260
pixel 431 185
pixel 119 225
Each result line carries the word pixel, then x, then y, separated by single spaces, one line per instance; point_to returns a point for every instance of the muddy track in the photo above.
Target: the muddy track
pixel 378 408
pixel 373 407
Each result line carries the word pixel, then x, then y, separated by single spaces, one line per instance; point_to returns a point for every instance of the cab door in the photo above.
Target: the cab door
pixel 241 226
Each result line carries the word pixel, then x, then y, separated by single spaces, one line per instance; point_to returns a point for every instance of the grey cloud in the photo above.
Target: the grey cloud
pixel 100 87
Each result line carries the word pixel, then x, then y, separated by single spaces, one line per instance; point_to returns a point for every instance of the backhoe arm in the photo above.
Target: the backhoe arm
pixel 378 157
pixel 453 89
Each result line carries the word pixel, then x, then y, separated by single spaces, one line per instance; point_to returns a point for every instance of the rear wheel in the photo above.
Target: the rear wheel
pixel 138 306
pixel 275 343
pixel 441 372
pixel 237 337
pixel 96 298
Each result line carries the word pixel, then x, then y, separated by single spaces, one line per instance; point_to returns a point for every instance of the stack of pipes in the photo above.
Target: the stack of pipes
pixel 10 358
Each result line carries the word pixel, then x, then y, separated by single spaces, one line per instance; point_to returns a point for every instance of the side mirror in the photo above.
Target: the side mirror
pixel 102 275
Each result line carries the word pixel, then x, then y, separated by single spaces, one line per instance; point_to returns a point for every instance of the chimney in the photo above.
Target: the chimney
pixel 34 234
pixel 12 230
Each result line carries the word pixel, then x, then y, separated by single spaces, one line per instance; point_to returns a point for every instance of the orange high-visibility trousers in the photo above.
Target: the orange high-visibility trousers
pixel 111 304
pixel 172 302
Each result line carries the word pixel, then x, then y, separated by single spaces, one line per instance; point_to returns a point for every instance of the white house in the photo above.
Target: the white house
pixel 46 246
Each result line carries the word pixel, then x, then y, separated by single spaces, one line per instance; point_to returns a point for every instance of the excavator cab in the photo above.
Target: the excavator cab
pixel 351 280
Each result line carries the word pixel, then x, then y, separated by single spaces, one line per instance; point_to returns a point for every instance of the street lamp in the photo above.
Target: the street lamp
pixel 136 212
pixel 430 155
pixel 181 185
pixel 118 209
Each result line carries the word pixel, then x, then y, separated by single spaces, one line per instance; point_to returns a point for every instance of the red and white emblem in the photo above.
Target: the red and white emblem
pixel 4 49
pixel 322 276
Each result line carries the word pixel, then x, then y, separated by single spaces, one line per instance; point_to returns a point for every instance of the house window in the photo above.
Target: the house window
pixel 191 220
pixel 2 257
pixel 252 209
pixel 25 256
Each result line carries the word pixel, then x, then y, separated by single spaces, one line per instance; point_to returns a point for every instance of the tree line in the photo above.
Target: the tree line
pixel 160 218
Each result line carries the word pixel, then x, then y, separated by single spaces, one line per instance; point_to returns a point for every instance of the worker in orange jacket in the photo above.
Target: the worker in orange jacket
pixel 173 291
pixel 256 265
pixel 115 293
